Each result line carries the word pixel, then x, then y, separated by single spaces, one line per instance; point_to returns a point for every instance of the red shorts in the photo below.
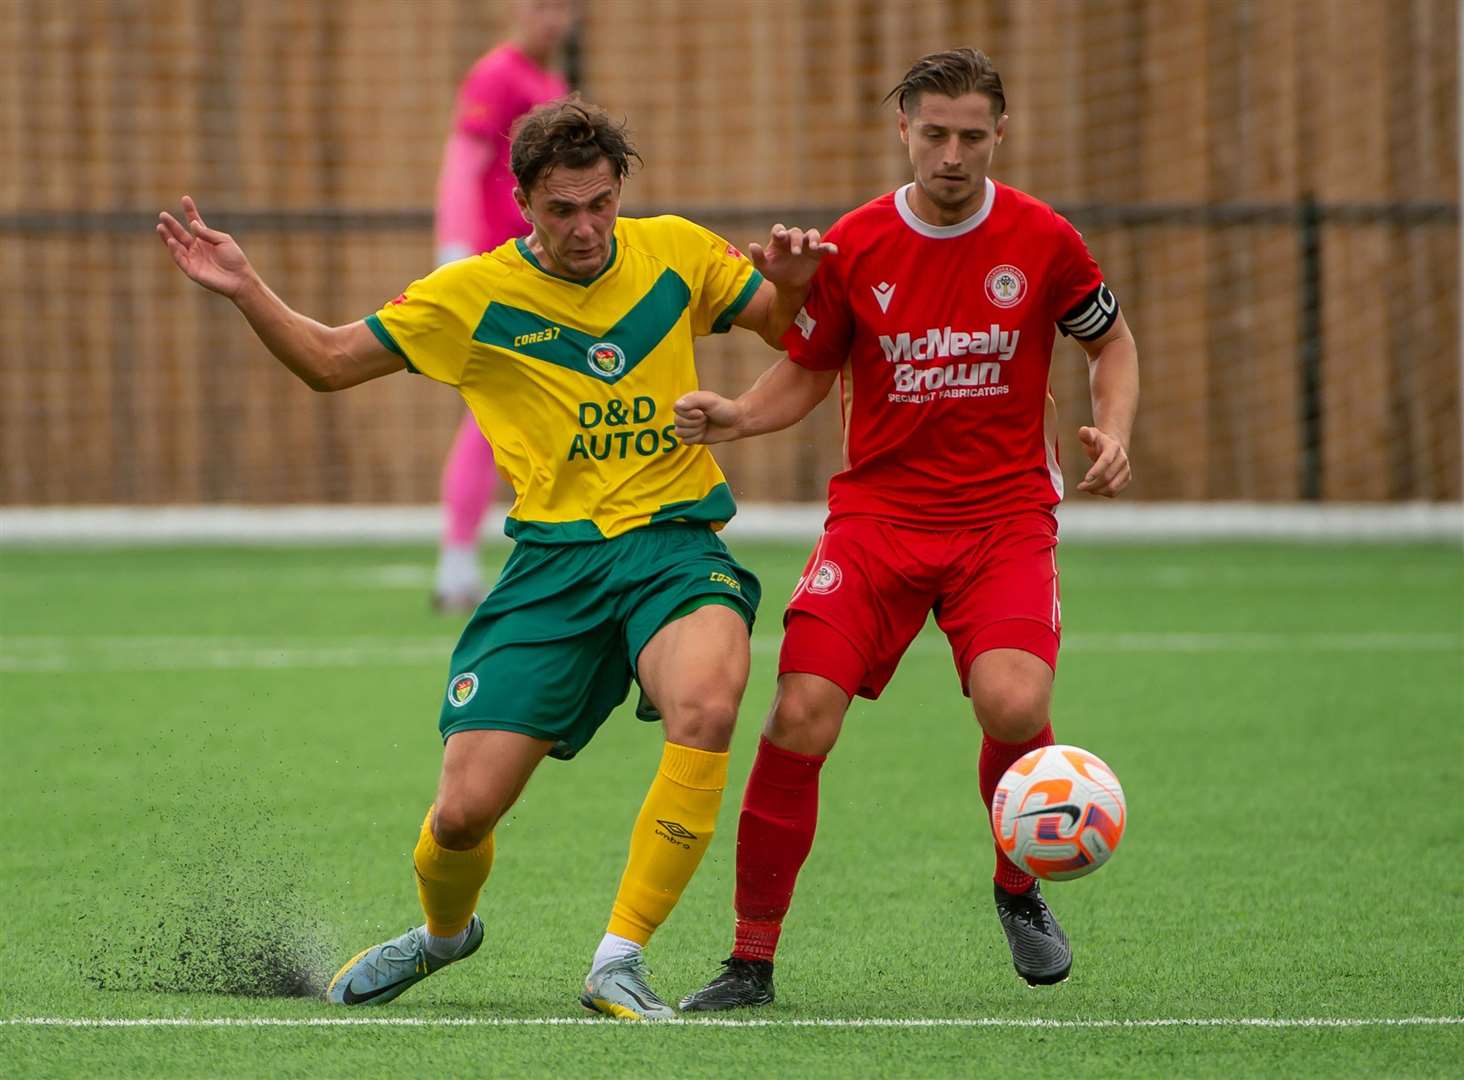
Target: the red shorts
pixel 869 586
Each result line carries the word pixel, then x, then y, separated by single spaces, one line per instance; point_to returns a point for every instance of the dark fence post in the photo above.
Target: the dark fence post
pixel 1309 348
pixel 574 73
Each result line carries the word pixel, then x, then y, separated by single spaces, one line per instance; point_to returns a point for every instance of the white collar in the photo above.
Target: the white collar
pixel 943 232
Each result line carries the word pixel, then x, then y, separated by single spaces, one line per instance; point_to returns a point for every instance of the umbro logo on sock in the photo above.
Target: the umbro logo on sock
pixel 675 832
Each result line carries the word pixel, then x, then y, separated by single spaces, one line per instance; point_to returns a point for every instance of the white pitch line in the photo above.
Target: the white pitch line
pixel 854 1022
pixel 38 654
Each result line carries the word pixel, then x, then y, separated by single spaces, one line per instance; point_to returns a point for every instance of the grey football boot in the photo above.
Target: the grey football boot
pixel 619 989
pixel 383 972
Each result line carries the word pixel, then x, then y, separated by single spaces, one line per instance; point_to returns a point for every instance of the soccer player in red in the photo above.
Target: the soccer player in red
pixel 938 319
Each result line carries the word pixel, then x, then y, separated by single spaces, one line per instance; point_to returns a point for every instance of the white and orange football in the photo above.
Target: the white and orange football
pixel 1059 813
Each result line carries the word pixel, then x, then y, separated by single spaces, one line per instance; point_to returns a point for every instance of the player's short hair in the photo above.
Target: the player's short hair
pixel 951 74
pixel 569 132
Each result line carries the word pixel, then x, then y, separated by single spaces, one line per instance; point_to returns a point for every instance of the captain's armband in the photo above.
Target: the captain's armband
pixel 1092 316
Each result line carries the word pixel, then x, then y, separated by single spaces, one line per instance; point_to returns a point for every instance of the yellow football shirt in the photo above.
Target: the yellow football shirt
pixel 573 381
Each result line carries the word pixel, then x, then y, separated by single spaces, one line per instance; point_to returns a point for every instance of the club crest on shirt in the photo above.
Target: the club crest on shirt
pixel 606 359
pixel 1006 285
pixel 462 689
pixel 826 578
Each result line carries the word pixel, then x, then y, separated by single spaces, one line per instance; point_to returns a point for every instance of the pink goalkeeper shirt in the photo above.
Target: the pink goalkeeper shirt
pixel 475 207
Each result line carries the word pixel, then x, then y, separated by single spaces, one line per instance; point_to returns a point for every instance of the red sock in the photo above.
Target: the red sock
pixel 774 837
pixel 996 759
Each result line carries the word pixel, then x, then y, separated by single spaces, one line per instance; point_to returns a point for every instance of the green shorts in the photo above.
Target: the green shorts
pixel 551 651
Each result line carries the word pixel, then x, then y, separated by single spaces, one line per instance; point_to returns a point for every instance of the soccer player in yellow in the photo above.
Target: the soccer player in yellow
pixel 570 347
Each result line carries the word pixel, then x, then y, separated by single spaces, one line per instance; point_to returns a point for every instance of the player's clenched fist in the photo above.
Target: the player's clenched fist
pixel 1110 472
pixel 706 417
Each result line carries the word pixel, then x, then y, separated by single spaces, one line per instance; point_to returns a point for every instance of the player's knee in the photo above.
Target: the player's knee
pixel 462 822
pixel 804 720
pixel 1013 711
pixel 704 723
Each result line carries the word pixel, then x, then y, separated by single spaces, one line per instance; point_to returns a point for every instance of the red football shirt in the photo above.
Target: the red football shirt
pixel 944 335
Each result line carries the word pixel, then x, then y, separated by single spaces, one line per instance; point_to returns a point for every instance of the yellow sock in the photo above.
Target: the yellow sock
pixel 448 882
pixel 670 837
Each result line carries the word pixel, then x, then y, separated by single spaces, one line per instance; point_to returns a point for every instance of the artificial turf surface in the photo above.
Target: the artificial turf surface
pixel 214 763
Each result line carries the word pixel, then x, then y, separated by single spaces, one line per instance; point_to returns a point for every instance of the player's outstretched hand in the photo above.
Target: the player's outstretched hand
pixel 1110 472
pixel 208 256
pixel 706 417
pixel 791 257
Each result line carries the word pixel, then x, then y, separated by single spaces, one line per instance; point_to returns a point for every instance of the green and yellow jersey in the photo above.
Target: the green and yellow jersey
pixel 573 381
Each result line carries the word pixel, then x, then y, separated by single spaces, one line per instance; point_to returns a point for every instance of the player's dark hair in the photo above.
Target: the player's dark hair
pixel 569 132
pixel 951 74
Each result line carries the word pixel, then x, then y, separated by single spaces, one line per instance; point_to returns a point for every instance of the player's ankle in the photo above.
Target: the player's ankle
pixel 445 948
pixel 756 939
pixel 614 947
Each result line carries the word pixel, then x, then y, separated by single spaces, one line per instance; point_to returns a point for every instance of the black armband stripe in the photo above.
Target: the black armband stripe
pixel 1092 316
pixel 1085 322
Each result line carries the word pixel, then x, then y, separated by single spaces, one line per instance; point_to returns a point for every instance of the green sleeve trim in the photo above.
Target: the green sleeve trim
pixel 734 309
pixel 383 335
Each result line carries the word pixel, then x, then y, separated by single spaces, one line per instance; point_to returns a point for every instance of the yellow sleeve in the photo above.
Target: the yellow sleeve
pixel 722 279
pixel 431 324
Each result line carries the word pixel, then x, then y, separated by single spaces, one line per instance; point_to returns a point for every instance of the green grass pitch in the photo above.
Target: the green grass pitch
pixel 215 762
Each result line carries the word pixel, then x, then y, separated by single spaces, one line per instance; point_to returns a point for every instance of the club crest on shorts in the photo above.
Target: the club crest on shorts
pixel 1006 285
pixel 462 689
pixel 825 578
pixel 606 358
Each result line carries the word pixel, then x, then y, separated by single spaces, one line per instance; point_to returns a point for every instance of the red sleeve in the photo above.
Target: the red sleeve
pixel 819 337
pixel 487 102
pixel 1082 305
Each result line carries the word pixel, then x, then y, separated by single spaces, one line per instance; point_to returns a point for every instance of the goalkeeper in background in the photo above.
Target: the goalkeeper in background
pixel 475 213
